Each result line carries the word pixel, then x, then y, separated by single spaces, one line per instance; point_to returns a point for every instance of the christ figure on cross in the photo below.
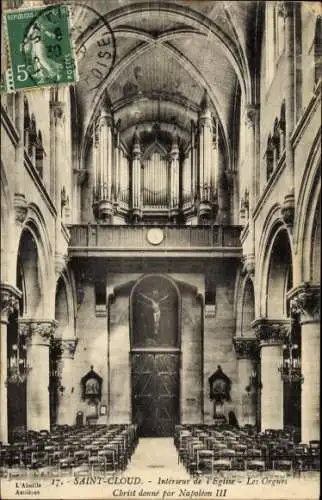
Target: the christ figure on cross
pixel 156 311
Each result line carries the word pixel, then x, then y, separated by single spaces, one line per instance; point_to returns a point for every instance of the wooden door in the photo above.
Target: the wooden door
pixel 155 392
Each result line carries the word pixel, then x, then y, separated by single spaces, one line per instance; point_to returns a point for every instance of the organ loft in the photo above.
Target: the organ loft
pixel 161 240
pixel 159 173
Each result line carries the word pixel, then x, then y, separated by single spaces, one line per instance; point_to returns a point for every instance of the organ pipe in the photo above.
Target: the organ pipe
pixel 174 176
pixel 136 177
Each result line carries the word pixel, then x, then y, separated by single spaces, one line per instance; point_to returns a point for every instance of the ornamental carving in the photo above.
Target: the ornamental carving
pixel 288 209
pixel 9 299
pixel 248 262
pixel 20 207
pixel 246 348
pixel 43 330
pixel 305 302
pixel 271 332
pixel 65 348
pixel 252 112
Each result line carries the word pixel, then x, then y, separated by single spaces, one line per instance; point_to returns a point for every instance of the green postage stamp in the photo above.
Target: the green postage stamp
pixel 40 48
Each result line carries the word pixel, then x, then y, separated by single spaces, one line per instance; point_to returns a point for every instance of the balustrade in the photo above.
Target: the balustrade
pixel 132 237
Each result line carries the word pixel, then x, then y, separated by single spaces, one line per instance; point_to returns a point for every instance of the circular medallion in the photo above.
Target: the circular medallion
pixel 155 236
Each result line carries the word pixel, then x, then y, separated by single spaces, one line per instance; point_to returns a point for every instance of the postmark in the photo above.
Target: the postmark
pixel 94 40
pixel 47 46
pixel 40 48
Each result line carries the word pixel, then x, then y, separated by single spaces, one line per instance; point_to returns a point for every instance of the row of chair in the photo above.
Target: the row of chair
pixel 204 449
pixel 65 449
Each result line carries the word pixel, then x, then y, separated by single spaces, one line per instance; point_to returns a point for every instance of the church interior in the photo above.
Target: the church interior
pixel 161 240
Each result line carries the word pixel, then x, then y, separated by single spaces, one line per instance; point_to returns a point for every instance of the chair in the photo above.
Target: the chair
pixel 221 464
pixel 254 464
pixel 283 465
pixel 205 459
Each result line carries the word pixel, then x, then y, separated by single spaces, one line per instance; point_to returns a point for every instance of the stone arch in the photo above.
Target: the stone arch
pixel 29 276
pixel 6 225
pixel 62 308
pixel 248 308
pixel 279 275
pixel 315 257
pixel 34 259
pixel 306 230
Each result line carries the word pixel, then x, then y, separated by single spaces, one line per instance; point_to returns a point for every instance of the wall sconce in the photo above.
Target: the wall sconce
pixel 18 367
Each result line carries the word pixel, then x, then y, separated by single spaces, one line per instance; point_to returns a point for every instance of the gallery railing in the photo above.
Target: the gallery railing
pixel 130 237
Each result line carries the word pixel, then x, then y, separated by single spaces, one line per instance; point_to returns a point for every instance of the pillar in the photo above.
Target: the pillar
pixel 57 110
pixel 96 171
pixel 39 334
pixel 67 404
pixel 246 352
pixel 287 10
pixel 105 203
pixel 252 132
pixel 305 303
pixel 9 303
pixel 205 147
pixel 136 178
pixel 271 335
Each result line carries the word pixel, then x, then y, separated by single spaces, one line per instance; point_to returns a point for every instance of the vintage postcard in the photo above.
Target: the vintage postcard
pixel 160 249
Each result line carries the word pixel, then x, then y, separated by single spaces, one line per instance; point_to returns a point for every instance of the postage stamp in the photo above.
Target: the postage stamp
pixel 40 48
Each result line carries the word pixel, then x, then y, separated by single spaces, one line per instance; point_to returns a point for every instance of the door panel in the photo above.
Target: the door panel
pixel 155 392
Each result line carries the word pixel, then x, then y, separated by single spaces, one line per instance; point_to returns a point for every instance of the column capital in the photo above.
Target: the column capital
pixel 271 331
pixel 20 207
pixel 305 302
pixel 248 263
pixel 38 331
pixel 251 114
pixel 10 296
pixel 65 348
pixel 58 109
pixel 288 209
pixel 246 347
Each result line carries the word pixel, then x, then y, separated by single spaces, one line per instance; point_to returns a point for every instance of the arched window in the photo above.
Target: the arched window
pixel 39 158
pixel 269 157
pixel 318 50
pixel 276 142
pixel 282 126
pixel 26 122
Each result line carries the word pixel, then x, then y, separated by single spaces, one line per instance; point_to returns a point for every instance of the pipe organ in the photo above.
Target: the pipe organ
pixel 155 181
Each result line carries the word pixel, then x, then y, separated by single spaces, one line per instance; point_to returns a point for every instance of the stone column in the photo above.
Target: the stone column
pixel 205 156
pixel 105 205
pixel 136 178
pixel 286 10
pixel 57 109
pixel 67 404
pixel 39 333
pixel 246 352
pixel 271 335
pixel 9 303
pixel 305 303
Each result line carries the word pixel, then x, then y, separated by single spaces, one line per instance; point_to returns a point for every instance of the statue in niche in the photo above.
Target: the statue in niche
pixel 92 385
pixel 220 386
pixel 155 306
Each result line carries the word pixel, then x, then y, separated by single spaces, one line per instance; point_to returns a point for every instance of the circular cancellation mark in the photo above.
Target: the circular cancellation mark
pixel 86 23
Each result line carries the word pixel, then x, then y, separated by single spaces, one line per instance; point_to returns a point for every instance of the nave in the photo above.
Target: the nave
pixel 195 450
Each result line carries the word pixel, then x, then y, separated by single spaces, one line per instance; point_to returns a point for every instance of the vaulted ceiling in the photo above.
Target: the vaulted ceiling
pixel 166 54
